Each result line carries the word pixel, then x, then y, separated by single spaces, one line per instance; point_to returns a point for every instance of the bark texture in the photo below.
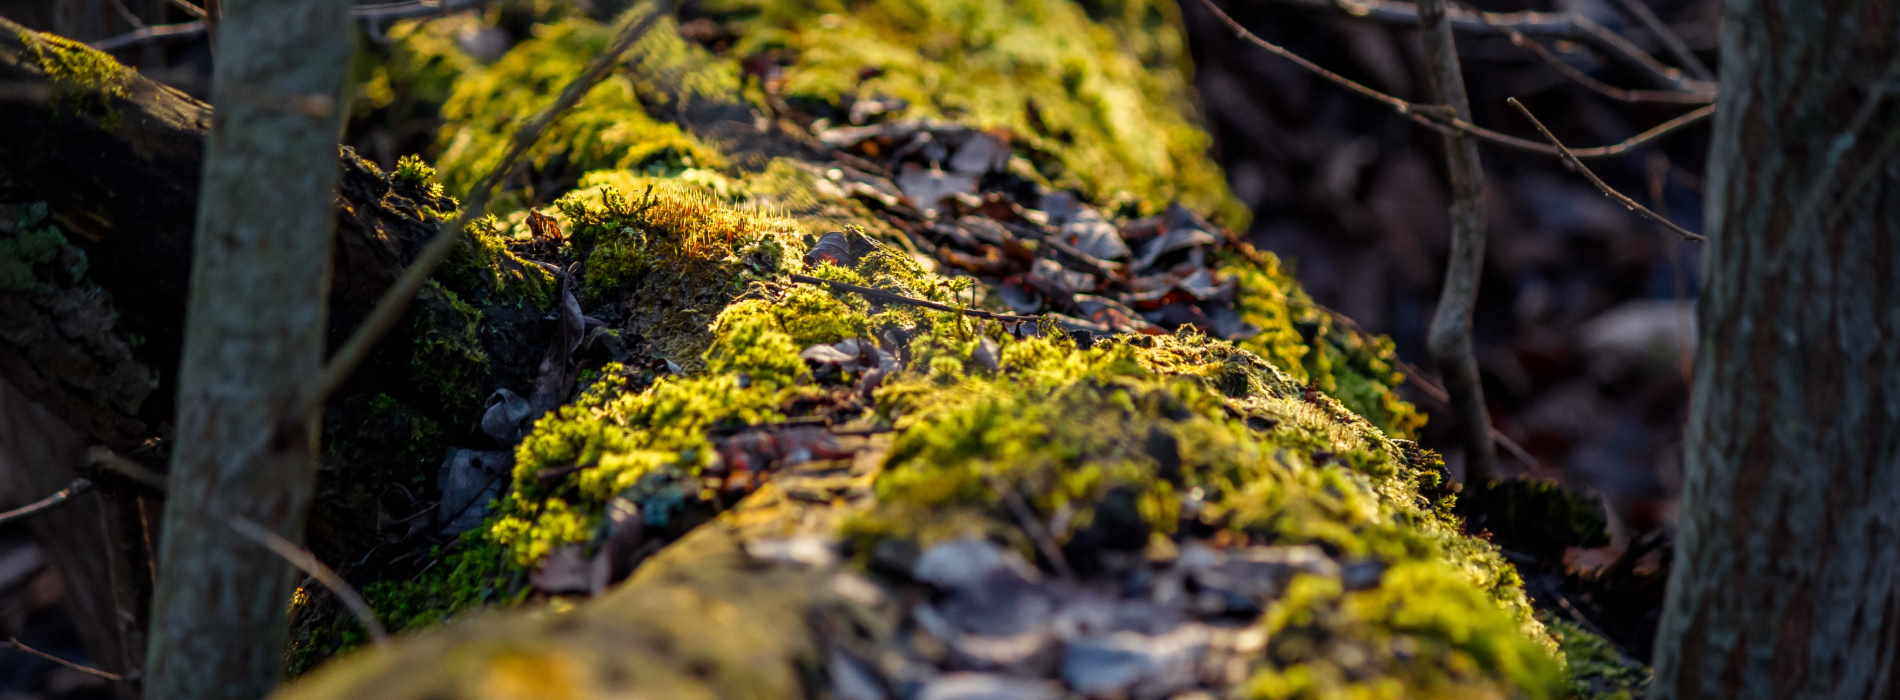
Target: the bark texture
pixel 1785 579
pixel 254 337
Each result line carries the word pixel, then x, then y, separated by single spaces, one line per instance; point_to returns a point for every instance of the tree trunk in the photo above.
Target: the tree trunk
pixel 1785 578
pixel 254 336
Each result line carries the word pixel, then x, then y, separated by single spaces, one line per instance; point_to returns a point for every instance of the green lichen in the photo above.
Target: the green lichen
pixel 84 79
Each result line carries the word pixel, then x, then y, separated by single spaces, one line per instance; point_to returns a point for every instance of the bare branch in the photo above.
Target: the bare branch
pixel 189 8
pixel 1548 25
pixel 389 309
pixel 1669 39
pixel 18 645
pixel 1449 338
pixel 895 298
pixel 308 563
pixel 58 498
pixel 1604 187
pixel 1579 77
pixel 1435 117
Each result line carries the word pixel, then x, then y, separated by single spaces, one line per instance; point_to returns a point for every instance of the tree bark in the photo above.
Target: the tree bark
pixel 1784 583
pixel 253 339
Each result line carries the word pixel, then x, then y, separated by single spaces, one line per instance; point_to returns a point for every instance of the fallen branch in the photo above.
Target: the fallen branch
pixel 1434 116
pixel 308 563
pixel 1571 160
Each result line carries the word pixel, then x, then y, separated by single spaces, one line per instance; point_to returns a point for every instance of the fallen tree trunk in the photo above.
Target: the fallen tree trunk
pixel 1166 471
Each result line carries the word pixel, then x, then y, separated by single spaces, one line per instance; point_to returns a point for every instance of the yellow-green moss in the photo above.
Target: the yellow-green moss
pixel 83 78
pixel 609 129
pixel 1114 124
pixel 1315 347
pixel 1594 668
pixel 1423 632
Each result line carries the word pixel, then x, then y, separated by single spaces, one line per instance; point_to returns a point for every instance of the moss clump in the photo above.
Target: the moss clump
pixel 84 79
pixel 1109 123
pixel 447 361
pixel 672 258
pixel 34 252
pixel 1595 669
pixel 1313 346
pixel 609 129
pixel 1422 633
pixel 416 174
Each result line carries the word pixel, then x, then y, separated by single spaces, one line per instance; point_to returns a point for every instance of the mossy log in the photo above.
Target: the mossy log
pixel 1253 453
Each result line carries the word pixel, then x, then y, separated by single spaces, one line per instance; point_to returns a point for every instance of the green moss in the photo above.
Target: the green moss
pixel 1110 123
pixel 1315 347
pixel 609 129
pixel 1594 668
pixel 484 266
pixel 1423 632
pixel 35 253
pixel 412 172
pixel 447 362
pixel 84 79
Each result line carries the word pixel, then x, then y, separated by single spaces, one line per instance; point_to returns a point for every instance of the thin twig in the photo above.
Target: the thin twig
pixel 126 13
pixel 1589 82
pixel 389 309
pixel 1669 39
pixel 104 458
pixel 78 486
pixel 189 8
pixel 1449 337
pixel 895 298
pixel 1602 186
pixel 1044 540
pixel 18 645
pixel 308 563
pixel 1569 26
pixel 382 12
pixel 1435 117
